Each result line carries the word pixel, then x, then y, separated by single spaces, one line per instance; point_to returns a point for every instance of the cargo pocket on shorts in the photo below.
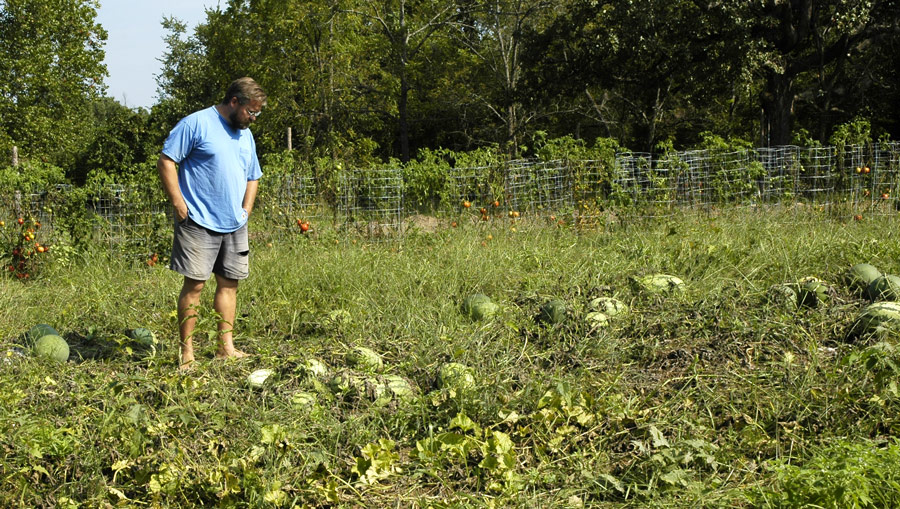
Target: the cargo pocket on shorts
pixel 237 265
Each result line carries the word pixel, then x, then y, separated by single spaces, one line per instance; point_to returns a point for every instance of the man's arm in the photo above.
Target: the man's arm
pixel 250 195
pixel 168 174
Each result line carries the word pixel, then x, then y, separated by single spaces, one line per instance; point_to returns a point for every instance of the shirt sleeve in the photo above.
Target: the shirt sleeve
pixel 180 141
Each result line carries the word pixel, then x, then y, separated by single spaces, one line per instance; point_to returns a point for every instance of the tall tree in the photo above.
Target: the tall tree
pixel 51 69
pixel 404 28
pixel 812 40
pixel 494 33
pixel 645 68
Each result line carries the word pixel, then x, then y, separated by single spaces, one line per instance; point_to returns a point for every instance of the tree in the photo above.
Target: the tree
pixel 51 68
pixel 404 27
pixel 494 33
pixel 643 69
pixel 120 140
pixel 808 43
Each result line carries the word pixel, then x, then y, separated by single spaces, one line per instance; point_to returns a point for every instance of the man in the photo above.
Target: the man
pixel 210 171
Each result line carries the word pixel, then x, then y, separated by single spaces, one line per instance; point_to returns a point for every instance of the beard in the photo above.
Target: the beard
pixel 235 121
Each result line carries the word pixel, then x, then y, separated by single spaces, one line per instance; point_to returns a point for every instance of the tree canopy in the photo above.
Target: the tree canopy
pixel 362 81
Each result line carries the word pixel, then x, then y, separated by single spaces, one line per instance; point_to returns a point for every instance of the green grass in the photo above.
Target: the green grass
pixel 711 397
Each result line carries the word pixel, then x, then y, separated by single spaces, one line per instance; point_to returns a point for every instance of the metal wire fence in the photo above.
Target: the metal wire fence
pixel 136 220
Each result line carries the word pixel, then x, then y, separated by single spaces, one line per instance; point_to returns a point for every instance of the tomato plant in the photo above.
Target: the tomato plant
pixel 21 250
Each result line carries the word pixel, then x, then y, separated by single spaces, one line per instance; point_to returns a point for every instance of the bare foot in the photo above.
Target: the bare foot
pixel 186 366
pixel 233 354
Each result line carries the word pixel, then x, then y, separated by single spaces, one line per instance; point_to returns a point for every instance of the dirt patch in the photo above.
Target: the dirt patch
pixel 422 223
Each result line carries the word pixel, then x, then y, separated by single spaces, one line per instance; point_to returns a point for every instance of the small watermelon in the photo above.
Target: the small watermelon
pixel 860 276
pixel 456 376
pixel 813 292
pixel 552 312
pixel 479 307
pixel 142 335
pixel 400 387
pixel 597 319
pixel 314 367
pixel 52 347
pixel 347 383
pixel 783 296
pixel 258 378
pixel 658 284
pixel 364 359
pixel 875 319
pixel 608 306
pixel 378 392
pixel 304 400
pixel 885 288
pixel 38 331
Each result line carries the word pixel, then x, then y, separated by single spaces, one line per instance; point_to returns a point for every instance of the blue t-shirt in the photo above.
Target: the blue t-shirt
pixel 215 161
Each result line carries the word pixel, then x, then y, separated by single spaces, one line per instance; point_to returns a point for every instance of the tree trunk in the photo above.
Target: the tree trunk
pixel 778 109
pixel 404 121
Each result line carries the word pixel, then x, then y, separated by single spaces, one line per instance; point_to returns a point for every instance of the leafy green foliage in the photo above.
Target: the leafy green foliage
pixel 52 54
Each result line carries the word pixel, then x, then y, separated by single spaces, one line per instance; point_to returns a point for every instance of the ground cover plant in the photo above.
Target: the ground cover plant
pixel 381 391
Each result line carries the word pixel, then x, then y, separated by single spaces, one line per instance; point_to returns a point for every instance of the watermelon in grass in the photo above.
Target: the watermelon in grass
pixel 52 347
pixel 552 312
pixel 860 276
pixel 456 376
pixel 885 288
pixel 658 284
pixel 142 335
pixel 479 306
pixel 364 359
pixel 875 319
pixel 609 306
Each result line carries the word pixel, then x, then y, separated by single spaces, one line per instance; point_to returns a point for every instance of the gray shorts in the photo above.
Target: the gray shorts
pixel 198 252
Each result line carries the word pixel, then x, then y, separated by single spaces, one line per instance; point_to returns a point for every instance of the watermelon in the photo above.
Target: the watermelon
pixel 378 391
pixel 314 367
pixel 142 335
pixel 658 283
pixel 813 292
pixel 400 388
pixel 860 276
pixel 608 306
pixel 876 318
pixel 304 400
pixel 783 295
pixel 885 288
pixel 597 319
pixel 53 347
pixel 479 306
pixel 456 376
pixel 38 331
pixel 552 312
pixel 364 359
pixel 258 378
pixel 347 383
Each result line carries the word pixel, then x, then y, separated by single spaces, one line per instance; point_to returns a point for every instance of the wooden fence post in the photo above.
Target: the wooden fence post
pixel 289 142
pixel 15 155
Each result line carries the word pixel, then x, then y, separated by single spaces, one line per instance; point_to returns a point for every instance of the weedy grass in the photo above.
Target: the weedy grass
pixel 708 396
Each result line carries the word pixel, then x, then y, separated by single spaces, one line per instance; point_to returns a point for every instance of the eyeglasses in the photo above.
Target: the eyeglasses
pixel 254 114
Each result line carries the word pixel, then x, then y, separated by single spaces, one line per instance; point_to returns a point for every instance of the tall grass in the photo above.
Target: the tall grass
pixel 709 397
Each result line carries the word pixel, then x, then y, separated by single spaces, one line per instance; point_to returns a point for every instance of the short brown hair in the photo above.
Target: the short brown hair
pixel 246 90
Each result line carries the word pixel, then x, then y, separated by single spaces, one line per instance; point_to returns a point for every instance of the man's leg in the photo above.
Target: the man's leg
pixel 188 300
pixel 225 304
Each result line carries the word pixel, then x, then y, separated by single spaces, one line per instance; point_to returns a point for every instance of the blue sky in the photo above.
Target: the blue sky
pixel 135 43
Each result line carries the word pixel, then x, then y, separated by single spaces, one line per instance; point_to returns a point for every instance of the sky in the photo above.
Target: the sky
pixel 135 44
